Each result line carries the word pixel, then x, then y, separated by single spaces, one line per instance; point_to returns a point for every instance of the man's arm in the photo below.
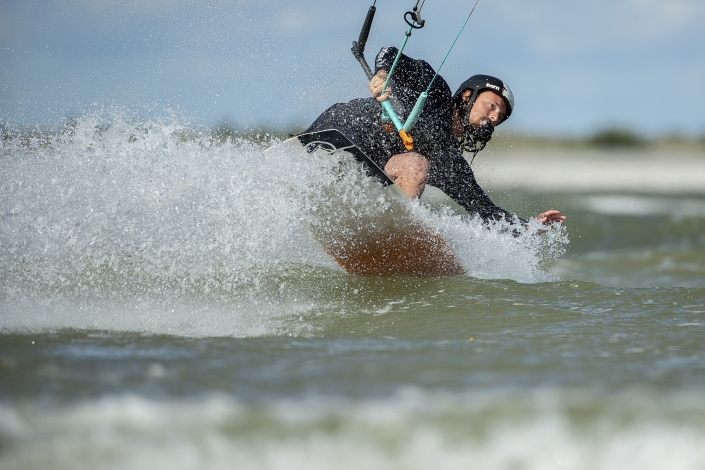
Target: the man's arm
pixel 453 176
pixel 385 58
pixel 456 179
pixel 410 79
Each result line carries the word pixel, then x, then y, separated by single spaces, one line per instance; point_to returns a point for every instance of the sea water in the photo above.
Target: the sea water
pixel 163 305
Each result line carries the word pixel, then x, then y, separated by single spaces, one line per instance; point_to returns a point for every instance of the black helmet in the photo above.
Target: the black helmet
pixel 479 83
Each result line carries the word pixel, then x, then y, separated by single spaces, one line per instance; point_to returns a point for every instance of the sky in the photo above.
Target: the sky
pixel 575 67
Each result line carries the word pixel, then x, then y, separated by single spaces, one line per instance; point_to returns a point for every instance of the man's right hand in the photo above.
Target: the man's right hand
pixel 376 85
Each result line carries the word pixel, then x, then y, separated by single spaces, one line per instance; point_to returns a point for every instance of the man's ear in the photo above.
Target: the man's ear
pixel 466 95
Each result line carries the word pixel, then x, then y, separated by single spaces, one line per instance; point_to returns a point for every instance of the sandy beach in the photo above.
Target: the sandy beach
pixel 661 171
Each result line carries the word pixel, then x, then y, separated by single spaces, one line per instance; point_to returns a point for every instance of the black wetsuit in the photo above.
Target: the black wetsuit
pixel 433 137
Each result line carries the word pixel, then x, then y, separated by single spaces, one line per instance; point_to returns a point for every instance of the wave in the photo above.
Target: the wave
pixel 411 429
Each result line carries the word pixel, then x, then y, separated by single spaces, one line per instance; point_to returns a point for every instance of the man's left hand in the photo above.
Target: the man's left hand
pixel 550 217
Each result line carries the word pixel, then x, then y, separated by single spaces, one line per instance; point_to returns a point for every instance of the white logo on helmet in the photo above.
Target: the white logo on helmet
pixel 494 87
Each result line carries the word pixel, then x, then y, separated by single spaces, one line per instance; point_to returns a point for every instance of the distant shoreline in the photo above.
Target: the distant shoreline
pixel 611 160
pixel 657 169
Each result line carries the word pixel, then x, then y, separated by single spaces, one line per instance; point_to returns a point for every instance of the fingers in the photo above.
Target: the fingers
pixel 552 213
pixel 377 91
pixel 385 96
pixel 376 84
pixel 550 217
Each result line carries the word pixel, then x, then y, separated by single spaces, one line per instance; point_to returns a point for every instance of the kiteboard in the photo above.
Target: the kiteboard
pixel 383 236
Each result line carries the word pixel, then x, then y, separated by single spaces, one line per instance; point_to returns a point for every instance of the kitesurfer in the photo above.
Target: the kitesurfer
pixel 448 125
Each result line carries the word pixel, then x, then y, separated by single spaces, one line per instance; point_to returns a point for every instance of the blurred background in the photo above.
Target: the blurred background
pixel 616 71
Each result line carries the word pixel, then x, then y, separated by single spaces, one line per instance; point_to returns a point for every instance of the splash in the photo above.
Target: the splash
pixel 109 215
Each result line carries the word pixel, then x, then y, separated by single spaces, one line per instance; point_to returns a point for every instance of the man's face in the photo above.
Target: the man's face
pixel 488 107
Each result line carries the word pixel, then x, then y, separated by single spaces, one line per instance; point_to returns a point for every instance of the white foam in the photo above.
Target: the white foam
pixel 111 223
pixel 414 430
pixel 494 252
pixel 644 206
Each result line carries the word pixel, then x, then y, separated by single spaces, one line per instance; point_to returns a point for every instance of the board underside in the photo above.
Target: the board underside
pixel 384 239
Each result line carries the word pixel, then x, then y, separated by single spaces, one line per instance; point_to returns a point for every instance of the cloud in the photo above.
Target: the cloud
pixel 126 8
pixel 294 20
pixel 555 27
pixel 5 29
pixel 255 56
pixel 648 20
pixel 306 17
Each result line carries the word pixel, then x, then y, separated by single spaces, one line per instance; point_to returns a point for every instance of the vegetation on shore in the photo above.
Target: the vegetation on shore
pixel 606 139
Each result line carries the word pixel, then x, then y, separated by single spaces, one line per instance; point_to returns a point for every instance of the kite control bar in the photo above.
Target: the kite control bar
pixel 413 19
pixel 358 47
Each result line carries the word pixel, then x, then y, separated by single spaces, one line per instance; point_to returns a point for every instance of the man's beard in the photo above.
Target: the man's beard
pixel 475 136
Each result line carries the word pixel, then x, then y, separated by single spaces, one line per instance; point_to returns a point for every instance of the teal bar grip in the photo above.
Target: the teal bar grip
pixel 396 59
pixel 387 106
pixel 411 120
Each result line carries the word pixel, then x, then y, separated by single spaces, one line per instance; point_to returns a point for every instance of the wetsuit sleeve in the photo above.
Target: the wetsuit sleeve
pixel 385 58
pixel 410 78
pixel 455 178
